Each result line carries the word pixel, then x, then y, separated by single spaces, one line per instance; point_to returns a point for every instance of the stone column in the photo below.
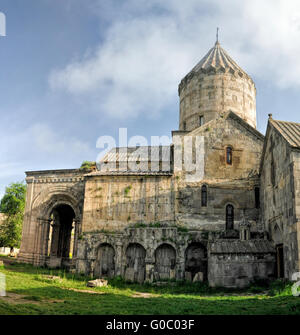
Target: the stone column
pixel 45 237
pixel 149 262
pixel 55 239
pixel 42 241
pixel 76 234
pixel 180 263
pixel 118 259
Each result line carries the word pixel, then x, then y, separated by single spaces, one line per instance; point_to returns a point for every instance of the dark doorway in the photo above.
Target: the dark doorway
pixel 280 261
pixel 196 260
pixel 61 232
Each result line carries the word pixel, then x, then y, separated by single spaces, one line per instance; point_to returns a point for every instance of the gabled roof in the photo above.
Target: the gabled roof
pixel 141 153
pixel 289 130
pixel 144 156
pixel 233 116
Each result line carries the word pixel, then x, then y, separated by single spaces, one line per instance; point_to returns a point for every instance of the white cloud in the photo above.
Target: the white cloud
pixel 151 45
pixel 48 142
pixel 39 146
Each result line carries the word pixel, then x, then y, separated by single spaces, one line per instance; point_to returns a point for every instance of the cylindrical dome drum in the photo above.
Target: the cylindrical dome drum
pixel 214 86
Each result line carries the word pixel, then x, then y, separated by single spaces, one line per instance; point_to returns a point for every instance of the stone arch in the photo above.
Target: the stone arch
pixel 229 200
pixel 196 261
pixel 61 214
pixel 135 269
pixel 105 261
pixel 165 262
pixel 47 205
pixel 276 233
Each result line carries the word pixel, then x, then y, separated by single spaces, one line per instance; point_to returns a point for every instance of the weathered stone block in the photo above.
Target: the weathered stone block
pixel 97 283
pixel 140 276
pixel 198 277
pixel 129 274
pixel 55 262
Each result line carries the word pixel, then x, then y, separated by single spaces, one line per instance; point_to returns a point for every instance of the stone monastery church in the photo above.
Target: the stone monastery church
pixel 238 224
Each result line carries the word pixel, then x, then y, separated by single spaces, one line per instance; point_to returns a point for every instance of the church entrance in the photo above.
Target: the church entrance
pixel 61 235
pixel 280 261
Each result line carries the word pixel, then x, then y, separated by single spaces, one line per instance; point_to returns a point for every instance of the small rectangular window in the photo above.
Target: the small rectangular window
pixel 257 197
pixel 201 120
pixel 229 155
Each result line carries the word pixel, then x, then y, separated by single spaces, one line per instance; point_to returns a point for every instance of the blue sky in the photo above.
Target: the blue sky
pixel 74 70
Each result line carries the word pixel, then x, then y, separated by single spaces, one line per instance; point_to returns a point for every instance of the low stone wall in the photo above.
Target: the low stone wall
pixel 141 254
pixel 154 254
pixel 239 270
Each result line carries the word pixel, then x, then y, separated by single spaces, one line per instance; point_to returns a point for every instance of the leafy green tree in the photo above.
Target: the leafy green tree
pixel 12 205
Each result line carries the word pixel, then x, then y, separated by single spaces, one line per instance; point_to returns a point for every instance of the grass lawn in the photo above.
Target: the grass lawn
pixel 32 290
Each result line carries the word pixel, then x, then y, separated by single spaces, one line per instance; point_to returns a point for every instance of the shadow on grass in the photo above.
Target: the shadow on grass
pixel 57 301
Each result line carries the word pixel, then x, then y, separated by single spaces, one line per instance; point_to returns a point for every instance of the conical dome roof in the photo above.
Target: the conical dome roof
pixel 214 86
pixel 217 59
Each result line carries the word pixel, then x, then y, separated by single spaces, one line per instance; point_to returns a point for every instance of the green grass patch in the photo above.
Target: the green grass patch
pixel 59 292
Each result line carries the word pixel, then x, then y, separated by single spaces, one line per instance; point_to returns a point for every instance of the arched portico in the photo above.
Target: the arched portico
pixel 57 231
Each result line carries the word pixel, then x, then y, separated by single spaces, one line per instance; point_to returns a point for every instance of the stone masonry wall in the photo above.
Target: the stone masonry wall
pixel 113 203
pixel 45 190
pixel 239 270
pixel 209 94
pixel 150 239
pixel 278 197
pixel 226 184
pixel 296 160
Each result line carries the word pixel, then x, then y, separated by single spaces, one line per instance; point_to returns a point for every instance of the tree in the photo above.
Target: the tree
pixel 88 166
pixel 12 205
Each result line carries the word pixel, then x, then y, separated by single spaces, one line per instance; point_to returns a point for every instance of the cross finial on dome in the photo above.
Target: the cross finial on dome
pixel 217 36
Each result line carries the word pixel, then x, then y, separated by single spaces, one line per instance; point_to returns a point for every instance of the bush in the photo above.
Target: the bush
pixel 280 287
pixel 87 165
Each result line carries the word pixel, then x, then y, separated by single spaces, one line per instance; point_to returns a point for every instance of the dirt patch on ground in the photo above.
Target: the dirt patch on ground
pixel 83 291
pixel 14 298
pixel 135 295
pixel 144 295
